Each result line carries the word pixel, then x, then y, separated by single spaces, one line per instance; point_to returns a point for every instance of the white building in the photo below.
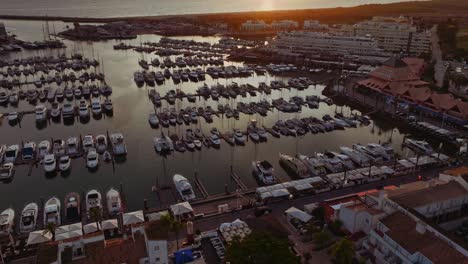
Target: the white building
pixel 314 25
pixel 304 43
pixel 284 25
pixel 394 34
pixel 254 25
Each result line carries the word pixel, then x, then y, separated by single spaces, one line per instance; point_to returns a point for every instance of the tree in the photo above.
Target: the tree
pixel 173 225
pixel 343 252
pixel 319 213
pixel 50 228
pixel 261 248
pixel 95 214
pixel 322 239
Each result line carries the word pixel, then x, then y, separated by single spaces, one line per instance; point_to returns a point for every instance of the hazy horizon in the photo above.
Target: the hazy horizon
pixel 120 8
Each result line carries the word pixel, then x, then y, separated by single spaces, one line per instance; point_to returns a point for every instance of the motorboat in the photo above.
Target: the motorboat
pixel 374 156
pixel 52 210
pixel 215 141
pixel 43 149
pixel 263 170
pixel 13 98
pixel 87 143
pixel 13 117
pixel 184 188
pixel 96 108
pixel 7 170
pixel 64 163
pixel 108 106
pixel 72 206
pixel 83 109
pixel 189 144
pixel 239 137
pixel 55 111
pixel 419 146
pixel 197 143
pixel 11 153
pixel 28 220
pixel 92 159
pixel 68 93
pixel 119 147
pixel 28 151
pixel 357 157
pixel 41 113
pixel 107 156
pixel 93 202
pixel 315 166
pixel 2 152
pixel 3 98
pixel 293 166
pixel 345 160
pixel 262 134
pixel 72 146
pixel 101 143
pixel 49 163
pixel 332 163
pixel 59 147
pixel 68 110
pixel 153 120
pixel 114 202
pixel 385 151
pixel 7 222
pixel 254 136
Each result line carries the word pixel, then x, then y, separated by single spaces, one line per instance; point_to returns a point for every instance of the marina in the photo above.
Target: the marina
pixel 287 104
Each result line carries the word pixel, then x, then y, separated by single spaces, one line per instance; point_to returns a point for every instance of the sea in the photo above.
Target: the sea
pixel 119 8
pixel 143 168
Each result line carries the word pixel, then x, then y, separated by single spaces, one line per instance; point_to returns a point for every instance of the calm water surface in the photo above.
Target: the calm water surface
pixel 118 8
pixel 143 166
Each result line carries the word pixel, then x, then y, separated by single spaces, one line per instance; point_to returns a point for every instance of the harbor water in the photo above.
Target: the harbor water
pixel 143 168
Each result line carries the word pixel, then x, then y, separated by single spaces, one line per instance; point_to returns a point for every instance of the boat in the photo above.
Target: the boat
pixel 356 156
pixel 263 170
pixel 87 143
pixel 332 163
pixel 254 136
pixel 41 113
pixel 345 160
pixel 153 120
pixel 215 141
pixel 108 106
pixel 68 111
pixel 83 109
pixel 52 210
pixel 107 156
pixel 101 143
pixel 96 106
pixel 239 137
pixel 72 207
pixel 28 151
pixel 72 146
pixel 385 151
pixel 6 170
pixel 28 220
pixel 197 143
pixel 293 166
pixel 189 144
pixel 92 159
pixel 13 117
pixel 49 163
pixel 43 149
pixel 315 166
pixel 13 98
pixel 118 144
pixel 374 156
pixel 11 153
pixel 64 163
pixel 93 202
pixel 184 188
pixel 262 134
pixel 59 147
pixel 114 202
pixel 7 222
pixel 419 146
pixel 55 111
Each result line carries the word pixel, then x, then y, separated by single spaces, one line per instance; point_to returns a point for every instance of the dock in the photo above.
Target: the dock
pixel 201 187
pixel 238 181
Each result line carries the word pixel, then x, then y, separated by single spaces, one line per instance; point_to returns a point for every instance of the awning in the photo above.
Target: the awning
pixel 133 218
pixel 406 164
pixel 266 195
pixel 302 187
pixel 109 224
pixel 90 228
pixel 298 214
pixel 181 208
pixel 156 216
pixel 68 231
pixel 39 236
pixel 280 193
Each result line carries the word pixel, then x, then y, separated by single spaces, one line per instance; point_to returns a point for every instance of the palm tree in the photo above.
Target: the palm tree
pixel 322 239
pixel 50 228
pixel 173 225
pixel 343 251
pixel 95 214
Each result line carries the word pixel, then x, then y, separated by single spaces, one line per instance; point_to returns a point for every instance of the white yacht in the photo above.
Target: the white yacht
pixel 294 166
pixel 59 147
pixel 332 163
pixel 93 200
pixel 7 222
pixel 64 163
pixel 83 109
pixel 108 106
pixel 92 159
pixel 101 143
pixel 55 111
pixel 357 157
pixel 419 146
pixel 373 155
pixel 215 141
pixel 263 170
pixel 28 219
pixel 11 153
pixel 385 151
pixel 118 144
pixel 72 146
pixel 88 143
pixel 52 210
pixel 43 149
pixel 239 137
pixel 114 202
pixel 29 150
pixel 41 113
pixel 153 120
pixel 72 206
pixel 68 110
pixel 184 188
pixel 163 144
pixel 315 166
pixel 96 106
pixel 347 162
pixel 49 163
pixel 13 117
pixel 7 170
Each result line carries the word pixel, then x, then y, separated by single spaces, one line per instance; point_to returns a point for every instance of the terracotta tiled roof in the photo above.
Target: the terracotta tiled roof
pixel 387 73
pixel 416 64
pixel 458 171
pixel 419 94
pixel 443 101
pixel 463 108
pixel 403 231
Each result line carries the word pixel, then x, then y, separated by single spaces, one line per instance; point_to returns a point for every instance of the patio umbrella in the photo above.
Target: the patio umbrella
pixel 133 218
pixel 110 224
pixel 40 236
